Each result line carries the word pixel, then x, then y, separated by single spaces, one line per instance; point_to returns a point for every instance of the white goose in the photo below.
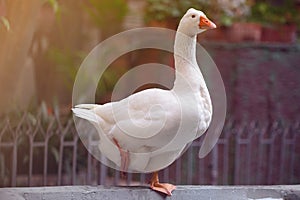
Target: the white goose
pixel 149 130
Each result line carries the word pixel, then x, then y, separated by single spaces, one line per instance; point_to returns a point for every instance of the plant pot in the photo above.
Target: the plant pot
pixel 280 33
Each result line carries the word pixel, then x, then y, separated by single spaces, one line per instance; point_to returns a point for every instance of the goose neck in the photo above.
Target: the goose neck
pixel 185 48
pixel 188 76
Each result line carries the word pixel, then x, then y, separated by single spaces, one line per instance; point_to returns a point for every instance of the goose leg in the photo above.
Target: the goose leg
pixel 124 157
pixel 165 188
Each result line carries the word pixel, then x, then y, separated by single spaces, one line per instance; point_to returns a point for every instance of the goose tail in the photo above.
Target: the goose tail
pixel 86 106
pixel 85 111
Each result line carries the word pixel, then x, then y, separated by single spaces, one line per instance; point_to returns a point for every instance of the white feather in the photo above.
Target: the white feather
pixel 86 114
pixel 86 106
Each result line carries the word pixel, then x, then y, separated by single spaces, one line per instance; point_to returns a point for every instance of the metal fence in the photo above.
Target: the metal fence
pixel 44 149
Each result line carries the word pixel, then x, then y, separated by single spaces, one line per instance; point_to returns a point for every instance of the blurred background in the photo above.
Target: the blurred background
pixel 43 42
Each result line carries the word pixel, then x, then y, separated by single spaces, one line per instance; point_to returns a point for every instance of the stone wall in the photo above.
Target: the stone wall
pixel 143 192
pixel 262 80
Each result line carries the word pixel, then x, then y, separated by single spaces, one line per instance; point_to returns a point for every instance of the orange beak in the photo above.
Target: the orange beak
pixel 206 23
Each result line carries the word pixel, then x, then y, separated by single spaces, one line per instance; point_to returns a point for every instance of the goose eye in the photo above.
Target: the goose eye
pixel 193 16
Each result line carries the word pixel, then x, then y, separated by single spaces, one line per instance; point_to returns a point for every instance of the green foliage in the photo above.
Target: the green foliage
pixel 54 4
pixel 224 13
pixel 4 21
pixel 227 12
pixel 66 61
pixel 107 15
pixel 226 20
pixel 109 79
pixel 107 12
pixel 269 14
pixel 165 9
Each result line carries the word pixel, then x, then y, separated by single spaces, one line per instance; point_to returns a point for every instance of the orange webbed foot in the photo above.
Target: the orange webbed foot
pixel 165 188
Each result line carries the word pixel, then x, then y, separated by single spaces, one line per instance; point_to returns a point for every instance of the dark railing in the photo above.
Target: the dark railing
pixel 45 149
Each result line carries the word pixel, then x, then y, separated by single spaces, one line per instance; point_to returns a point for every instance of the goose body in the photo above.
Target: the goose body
pixel 148 125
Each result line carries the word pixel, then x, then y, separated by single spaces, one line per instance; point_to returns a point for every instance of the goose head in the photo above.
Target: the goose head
pixel 194 22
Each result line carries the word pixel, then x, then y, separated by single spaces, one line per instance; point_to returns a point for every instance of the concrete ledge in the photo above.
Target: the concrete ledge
pixel 286 192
